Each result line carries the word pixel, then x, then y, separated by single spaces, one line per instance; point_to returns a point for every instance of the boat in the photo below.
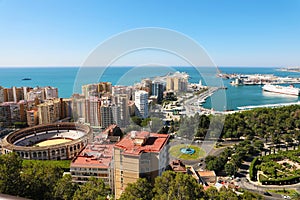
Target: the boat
pixel 237 82
pixel 290 90
pixel 26 79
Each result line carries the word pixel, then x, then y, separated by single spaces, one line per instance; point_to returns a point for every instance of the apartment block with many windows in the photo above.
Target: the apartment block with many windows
pixel 139 155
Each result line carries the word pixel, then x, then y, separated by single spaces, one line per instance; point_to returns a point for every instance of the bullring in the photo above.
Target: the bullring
pixel 57 141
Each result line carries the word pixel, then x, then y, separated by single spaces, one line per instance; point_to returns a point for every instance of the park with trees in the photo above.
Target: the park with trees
pixel 176 186
pixel 37 180
pixel 282 168
pixel 44 180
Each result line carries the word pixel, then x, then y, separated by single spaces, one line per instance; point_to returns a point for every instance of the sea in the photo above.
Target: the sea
pixel 68 80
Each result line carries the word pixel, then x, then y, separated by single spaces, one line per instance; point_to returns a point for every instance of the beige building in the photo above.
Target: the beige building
pixel 66 108
pixel 13 94
pixel 131 107
pixel 5 115
pixel 93 115
pixel 118 89
pixel 178 82
pixel 170 84
pixel 105 87
pixel 49 111
pixel 32 117
pixel 42 93
pixel 11 112
pixel 208 177
pixel 139 155
pixel 96 89
pixel 78 107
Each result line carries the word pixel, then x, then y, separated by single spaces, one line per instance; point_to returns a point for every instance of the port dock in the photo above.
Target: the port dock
pixel 268 105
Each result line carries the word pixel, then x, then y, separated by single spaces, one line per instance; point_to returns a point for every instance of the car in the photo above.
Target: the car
pixel 286 197
pixel 199 164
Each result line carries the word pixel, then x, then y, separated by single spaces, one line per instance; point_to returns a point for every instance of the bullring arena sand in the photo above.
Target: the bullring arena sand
pixel 52 142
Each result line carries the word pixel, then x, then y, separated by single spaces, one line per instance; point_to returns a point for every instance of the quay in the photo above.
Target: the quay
pixel 258 79
pixel 268 105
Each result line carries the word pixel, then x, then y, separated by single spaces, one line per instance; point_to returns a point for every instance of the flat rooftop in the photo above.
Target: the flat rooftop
pixel 94 156
pixel 206 173
pixel 137 142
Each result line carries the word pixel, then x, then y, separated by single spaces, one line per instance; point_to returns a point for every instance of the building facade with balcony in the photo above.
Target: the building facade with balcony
pixel 139 155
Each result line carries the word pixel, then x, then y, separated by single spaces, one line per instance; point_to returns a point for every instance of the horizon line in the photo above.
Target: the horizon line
pixel 74 66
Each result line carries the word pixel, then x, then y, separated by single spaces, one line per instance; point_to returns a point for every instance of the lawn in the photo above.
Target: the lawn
pixel 175 152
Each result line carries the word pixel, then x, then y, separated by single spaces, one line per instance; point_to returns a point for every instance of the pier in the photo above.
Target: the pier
pixel 268 105
pixel 258 79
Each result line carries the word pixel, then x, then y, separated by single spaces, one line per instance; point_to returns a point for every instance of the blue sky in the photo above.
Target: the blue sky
pixel 233 32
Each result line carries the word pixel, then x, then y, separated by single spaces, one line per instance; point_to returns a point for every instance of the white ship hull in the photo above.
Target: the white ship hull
pixel 290 90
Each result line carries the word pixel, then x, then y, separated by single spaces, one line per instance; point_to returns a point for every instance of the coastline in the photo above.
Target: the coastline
pixel 63 78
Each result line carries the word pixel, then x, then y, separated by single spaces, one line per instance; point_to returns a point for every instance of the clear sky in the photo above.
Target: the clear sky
pixel 233 32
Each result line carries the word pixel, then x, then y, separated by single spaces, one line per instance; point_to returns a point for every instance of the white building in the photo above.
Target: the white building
pixel 121 101
pixel 141 103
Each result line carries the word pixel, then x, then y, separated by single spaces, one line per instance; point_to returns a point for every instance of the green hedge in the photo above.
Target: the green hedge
pixel 252 169
pixel 282 181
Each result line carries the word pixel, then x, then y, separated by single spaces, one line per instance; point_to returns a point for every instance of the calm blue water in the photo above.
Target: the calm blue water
pixel 64 79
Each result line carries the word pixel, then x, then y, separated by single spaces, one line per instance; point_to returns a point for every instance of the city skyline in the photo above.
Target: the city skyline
pixel 233 33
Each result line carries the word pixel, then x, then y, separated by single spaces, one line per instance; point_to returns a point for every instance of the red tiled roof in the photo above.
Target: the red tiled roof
pixel 94 156
pixel 153 142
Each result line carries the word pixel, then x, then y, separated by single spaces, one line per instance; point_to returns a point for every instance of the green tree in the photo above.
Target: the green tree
pixel 140 190
pixel 226 194
pixel 145 122
pixel 94 189
pixel 64 188
pixel 230 169
pixel 215 163
pixel 259 145
pixel 177 186
pixel 212 194
pixel 39 179
pixel 204 122
pixel 10 168
pixel 136 120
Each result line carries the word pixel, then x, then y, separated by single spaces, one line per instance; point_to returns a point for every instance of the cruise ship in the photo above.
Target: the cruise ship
pixel 290 90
